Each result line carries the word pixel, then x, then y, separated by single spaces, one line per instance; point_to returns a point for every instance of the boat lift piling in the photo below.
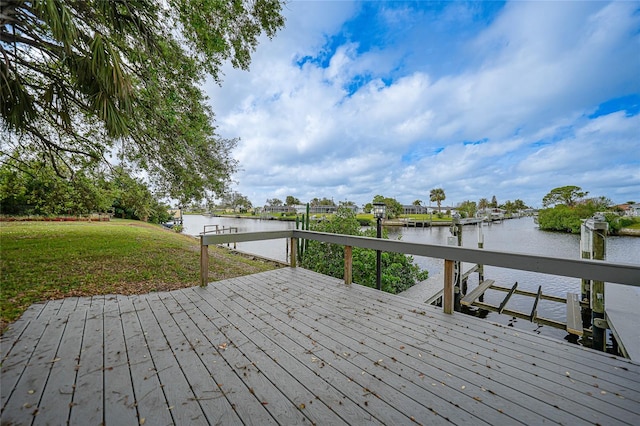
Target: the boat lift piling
pixel 593 237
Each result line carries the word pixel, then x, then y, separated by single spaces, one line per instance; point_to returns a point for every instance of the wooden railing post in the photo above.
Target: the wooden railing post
pixel 204 263
pixel 293 248
pixel 348 265
pixel 598 227
pixel 449 277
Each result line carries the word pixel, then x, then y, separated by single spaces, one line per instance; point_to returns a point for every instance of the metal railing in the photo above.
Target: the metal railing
pixel 620 273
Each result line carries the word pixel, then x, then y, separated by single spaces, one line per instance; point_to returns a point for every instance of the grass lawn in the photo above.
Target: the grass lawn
pixel 51 260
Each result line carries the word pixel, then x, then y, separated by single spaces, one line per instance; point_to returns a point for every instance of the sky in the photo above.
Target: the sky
pixel 506 99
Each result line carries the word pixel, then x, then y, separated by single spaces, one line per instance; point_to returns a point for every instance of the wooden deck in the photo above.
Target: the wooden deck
pixel 294 347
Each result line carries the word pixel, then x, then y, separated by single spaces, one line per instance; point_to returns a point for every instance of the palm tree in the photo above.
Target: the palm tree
pixel 437 195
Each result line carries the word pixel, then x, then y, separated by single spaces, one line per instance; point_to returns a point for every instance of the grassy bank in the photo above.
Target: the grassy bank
pixel 48 260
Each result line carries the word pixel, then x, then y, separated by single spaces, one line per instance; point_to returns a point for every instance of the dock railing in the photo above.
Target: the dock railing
pixel 619 273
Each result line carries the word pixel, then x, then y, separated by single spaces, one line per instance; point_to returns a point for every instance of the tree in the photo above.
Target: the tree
pixel 417 203
pixel 236 201
pixel 509 207
pixel 467 208
pixel 392 207
pixel 566 195
pixel 437 196
pixel 80 80
pixel 274 202
pixel 494 202
pixel 483 203
pixel 520 205
pixel 291 201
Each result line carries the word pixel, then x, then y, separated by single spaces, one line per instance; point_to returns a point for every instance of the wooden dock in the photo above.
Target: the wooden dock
pixel 291 346
pixel 621 308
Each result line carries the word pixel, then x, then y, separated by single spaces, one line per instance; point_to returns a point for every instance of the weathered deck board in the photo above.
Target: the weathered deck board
pixel 529 387
pixel 621 308
pixel 293 347
pixel 613 392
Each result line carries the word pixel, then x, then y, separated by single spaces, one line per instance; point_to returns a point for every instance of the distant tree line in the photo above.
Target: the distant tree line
pixel 35 189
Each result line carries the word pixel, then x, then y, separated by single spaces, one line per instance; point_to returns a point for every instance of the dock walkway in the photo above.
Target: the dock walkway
pixel 291 346
pixel 621 308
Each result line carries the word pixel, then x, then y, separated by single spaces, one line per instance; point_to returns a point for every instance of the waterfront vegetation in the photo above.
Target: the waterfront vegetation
pixel 567 207
pixel 51 260
pixel 398 270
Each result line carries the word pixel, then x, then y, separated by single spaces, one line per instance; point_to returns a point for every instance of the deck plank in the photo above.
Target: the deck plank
pixel 119 397
pixel 360 369
pixel 240 352
pixel 21 350
pixel 163 343
pixel 88 397
pixel 321 400
pixel 215 408
pixel 471 297
pixel 150 400
pixel 294 347
pixel 57 399
pixel 574 317
pixel 33 380
pixel 207 340
pixel 446 381
pixel 517 354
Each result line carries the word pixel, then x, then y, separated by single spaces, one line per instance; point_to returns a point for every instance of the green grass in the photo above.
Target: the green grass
pixel 635 224
pixel 49 260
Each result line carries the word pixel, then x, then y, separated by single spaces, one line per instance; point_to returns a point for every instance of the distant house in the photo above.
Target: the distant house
pixel 413 209
pixel 279 209
pixel 634 210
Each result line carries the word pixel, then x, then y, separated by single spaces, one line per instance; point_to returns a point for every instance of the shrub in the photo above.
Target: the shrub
pixel 398 270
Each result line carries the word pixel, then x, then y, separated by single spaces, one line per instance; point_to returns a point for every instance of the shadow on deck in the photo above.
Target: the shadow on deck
pixel 291 346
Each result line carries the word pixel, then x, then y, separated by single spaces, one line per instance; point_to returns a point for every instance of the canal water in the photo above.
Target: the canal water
pixel 515 235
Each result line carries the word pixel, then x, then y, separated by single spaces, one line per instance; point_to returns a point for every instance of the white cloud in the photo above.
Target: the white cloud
pixel 532 78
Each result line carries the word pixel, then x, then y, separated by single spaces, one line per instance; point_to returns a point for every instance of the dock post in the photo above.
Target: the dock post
pixel 480 267
pixel 598 229
pixel 204 263
pixel 586 243
pixel 293 248
pixel 348 265
pixel 456 231
pixel 447 296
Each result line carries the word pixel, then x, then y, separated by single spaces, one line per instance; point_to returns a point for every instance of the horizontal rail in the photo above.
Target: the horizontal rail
pixel 620 273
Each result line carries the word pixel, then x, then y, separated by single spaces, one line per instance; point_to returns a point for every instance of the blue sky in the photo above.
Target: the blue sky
pixel 511 99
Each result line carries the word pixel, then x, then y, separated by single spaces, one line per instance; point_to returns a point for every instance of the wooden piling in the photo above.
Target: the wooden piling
pixel 348 265
pixel 598 227
pixel 204 263
pixel 480 267
pixel 447 296
pixel 293 248
pixel 458 291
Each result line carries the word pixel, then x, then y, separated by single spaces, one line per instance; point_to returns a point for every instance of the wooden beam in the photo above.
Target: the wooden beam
pixel 293 249
pixel 470 298
pixel 348 265
pixel 204 264
pixel 530 294
pixel 522 315
pixel 506 299
pixel 470 271
pixel 574 315
pixel 447 297
pixel 534 310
